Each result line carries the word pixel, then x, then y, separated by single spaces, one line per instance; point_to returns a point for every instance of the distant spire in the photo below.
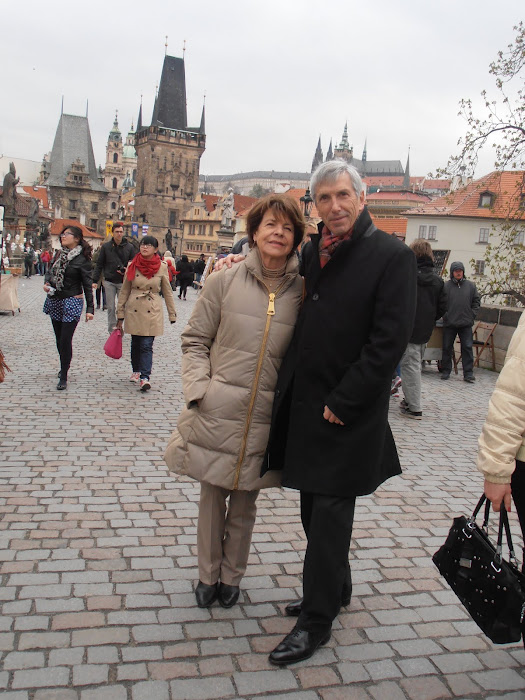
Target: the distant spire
pixel 202 128
pixel 115 123
pixel 139 120
pixel 87 107
pixel 166 46
pixel 318 156
pixel 330 153
pixel 344 140
pixel 364 153
pixel 184 50
pixel 406 179
pixel 62 107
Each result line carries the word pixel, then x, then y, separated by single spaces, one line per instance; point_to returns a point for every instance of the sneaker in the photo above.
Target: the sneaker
pixel 145 385
pixel 416 415
pixel 470 378
pixel 445 375
pixel 135 377
pixel 396 383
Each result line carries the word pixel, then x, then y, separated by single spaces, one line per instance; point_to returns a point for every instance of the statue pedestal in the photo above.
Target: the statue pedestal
pixel 225 242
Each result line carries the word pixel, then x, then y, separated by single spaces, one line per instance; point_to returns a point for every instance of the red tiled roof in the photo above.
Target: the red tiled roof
pixel 240 202
pixel 392 225
pixel 40 192
pixel 58 225
pixel 508 189
pixel 400 195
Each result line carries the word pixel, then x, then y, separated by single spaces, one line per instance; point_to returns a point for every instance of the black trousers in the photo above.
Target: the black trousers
pixel 327 522
pixel 518 494
pixel 467 355
pixel 64 337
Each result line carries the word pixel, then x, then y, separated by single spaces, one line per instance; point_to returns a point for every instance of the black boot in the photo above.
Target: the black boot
pixel 205 594
pixel 62 383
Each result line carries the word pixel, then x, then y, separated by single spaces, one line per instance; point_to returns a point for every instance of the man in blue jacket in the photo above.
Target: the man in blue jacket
pixel 463 302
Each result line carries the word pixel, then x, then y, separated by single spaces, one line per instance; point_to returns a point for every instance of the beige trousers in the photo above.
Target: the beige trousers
pixel 224 536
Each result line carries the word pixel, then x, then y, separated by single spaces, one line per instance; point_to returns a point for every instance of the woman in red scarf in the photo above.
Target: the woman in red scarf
pixel 140 307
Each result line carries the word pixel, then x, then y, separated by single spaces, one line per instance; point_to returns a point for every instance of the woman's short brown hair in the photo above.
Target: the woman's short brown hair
pixel 284 206
pixel 421 247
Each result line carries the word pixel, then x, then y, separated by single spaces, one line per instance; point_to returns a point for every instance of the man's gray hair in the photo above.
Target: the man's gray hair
pixel 330 171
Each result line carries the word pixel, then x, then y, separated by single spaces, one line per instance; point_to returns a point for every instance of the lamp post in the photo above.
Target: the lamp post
pixel 307 203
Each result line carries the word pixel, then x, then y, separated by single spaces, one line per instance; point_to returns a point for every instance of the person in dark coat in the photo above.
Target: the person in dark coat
pixel 330 433
pixel 463 302
pixel 185 276
pixel 431 305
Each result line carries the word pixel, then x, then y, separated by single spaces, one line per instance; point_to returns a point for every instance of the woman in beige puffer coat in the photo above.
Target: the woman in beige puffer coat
pixel 232 348
pixel 501 455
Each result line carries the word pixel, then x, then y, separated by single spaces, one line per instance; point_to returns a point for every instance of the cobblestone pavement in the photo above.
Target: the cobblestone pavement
pixel 98 557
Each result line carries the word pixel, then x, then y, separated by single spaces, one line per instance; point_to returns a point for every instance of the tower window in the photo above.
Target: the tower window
pixel 114 183
pixel 113 205
pixel 115 157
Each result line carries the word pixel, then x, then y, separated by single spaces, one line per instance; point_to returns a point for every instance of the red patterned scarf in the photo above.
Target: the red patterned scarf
pixel 146 266
pixel 328 243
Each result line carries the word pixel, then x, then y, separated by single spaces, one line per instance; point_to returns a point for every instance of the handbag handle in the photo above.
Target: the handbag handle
pixel 503 524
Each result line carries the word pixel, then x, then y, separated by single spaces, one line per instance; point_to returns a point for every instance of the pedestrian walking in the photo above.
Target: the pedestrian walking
pixel 185 275
pixel 112 260
pixel 139 311
pixel 29 260
pixel 463 302
pixel 232 347
pixel 66 282
pixel 172 272
pixel 45 259
pixel 431 304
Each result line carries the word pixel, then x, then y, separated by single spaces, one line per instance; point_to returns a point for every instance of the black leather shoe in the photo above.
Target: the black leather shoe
pixel 62 384
pixel 228 595
pixel 206 595
pixel 298 645
pixel 294 609
pixel 470 378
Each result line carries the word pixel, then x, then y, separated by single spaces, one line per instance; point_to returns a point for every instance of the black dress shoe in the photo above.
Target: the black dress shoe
pixel 228 595
pixel 206 595
pixel 298 645
pixel 294 609
pixel 62 384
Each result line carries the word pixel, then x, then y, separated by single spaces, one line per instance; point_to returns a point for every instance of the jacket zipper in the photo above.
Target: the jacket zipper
pixel 269 313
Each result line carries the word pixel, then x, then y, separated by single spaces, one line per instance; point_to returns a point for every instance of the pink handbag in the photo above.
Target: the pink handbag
pixel 113 345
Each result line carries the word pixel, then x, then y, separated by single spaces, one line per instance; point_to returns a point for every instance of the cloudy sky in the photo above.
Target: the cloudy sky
pixel 276 74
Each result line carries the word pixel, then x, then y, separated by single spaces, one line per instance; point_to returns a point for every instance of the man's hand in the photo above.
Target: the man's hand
pixel 496 493
pixel 228 261
pixel 89 317
pixel 95 285
pixel 331 417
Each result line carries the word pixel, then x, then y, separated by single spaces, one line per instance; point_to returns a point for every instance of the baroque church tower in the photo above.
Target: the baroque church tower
pixel 113 172
pixel 168 156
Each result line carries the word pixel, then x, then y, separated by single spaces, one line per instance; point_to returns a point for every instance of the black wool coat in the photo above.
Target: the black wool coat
pixel 353 328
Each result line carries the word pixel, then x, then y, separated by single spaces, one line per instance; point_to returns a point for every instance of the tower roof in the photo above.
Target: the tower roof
pixel 344 140
pixel 72 141
pixel 170 105
pixel 114 134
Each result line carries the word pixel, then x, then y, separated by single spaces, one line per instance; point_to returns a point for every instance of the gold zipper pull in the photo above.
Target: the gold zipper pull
pixel 271 305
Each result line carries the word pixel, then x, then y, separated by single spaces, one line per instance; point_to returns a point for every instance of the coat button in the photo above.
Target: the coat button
pixel 315 297
pixel 149 311
pixel 277 392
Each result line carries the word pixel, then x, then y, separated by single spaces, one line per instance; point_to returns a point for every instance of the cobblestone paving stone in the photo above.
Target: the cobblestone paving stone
pixel 98 554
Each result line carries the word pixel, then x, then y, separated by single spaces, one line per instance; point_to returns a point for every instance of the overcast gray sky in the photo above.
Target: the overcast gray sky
pixel 276 74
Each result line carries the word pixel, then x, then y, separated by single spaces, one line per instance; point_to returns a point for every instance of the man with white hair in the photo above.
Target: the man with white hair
pixel 330 433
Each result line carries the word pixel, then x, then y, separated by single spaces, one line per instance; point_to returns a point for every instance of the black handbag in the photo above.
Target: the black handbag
pixel 491 589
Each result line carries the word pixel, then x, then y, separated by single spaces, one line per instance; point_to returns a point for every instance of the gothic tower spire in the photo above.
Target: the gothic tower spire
pixel 406 179
pixel 318 156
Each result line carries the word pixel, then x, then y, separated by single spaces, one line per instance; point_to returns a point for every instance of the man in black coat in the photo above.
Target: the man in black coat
pixel 431 305
pixel 330 432
pixel 112 261
pixel 463 302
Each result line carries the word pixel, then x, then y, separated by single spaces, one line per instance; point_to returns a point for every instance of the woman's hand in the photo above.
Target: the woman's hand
pixel 89 317
pixel 118 327
pixel 496 493
pixel 47 287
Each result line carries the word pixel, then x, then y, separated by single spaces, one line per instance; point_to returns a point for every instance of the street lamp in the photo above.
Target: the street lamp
pixel 307 203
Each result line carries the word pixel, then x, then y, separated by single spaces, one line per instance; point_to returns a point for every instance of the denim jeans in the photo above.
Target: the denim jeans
pixel 112 291
pixel 411 375
pixel 467 356
pixel 142 354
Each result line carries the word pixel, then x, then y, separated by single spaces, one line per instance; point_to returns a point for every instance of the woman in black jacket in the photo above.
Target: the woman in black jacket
pixel 185 276
pixel 68 276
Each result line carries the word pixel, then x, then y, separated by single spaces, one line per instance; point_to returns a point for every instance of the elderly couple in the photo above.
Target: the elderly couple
pixel 288 382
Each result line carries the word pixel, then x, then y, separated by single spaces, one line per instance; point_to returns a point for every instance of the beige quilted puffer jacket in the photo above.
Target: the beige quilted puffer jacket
pixel 232 349
pixel 502 439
